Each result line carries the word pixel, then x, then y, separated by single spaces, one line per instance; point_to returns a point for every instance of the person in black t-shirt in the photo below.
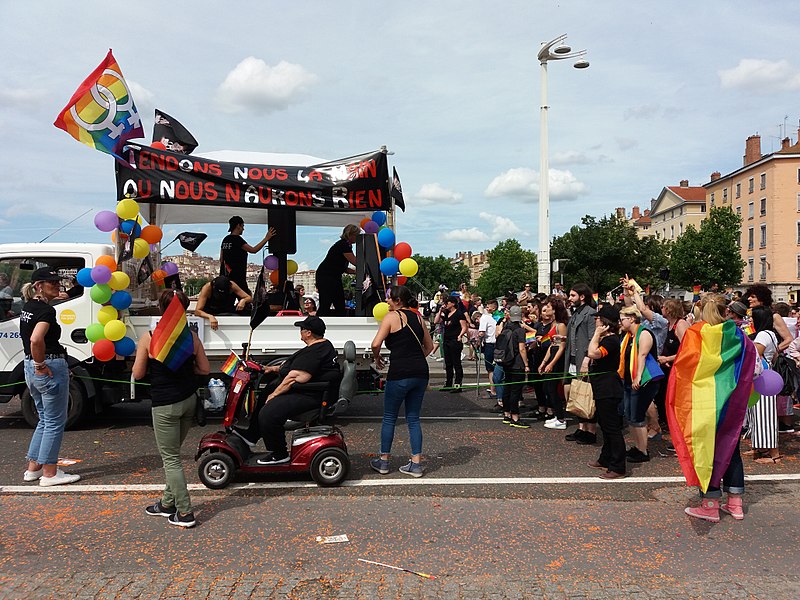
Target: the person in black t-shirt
pixel 234 250
pixel 454 327
pixel 221 296
pixel 330 271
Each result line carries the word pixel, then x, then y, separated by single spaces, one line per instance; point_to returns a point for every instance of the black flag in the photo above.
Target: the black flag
pixel 396 192
pixel 260 301
pixel 145 270
pixel 174 136
pixel 190 241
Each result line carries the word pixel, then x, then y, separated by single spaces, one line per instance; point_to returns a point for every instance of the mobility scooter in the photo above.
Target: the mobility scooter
pixel 315 447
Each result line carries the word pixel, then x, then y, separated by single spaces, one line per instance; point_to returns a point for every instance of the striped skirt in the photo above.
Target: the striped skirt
pixel 762 423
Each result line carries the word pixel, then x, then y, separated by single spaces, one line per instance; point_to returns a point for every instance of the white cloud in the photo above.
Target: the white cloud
pixel 573 157
pixel 524 183
pixel 761 76
pixel 22 97
pixel 433 193
pixel 257 87
pixel 473 234
pixel 502 227
pixel 143 98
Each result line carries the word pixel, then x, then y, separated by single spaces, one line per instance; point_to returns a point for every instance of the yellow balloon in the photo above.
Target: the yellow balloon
pixel 107 314
pixel 291 267
pixel 114 330
pixel 127 209
pixel 140 248
pixel 381 310
pixel 408 267
pixel 119 280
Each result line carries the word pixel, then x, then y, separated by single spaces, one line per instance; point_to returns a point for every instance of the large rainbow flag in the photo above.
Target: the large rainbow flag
pixel 171 342
pixel 707 396
pixel 101 112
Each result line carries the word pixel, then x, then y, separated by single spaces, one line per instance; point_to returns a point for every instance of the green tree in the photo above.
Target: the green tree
pixel 510 268
pixel 193 285
pixel 710 254
pixel 434 271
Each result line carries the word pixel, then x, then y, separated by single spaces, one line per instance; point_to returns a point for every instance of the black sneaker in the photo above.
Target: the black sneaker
pixel 180 520
pixel 159 510
pixel 631 451
pixel 272 460
pixel 456 389
pixel 784 428
pixel 587 439
pixel 637 456
pixel 575 435
pixel 520 424
pixel 671 448
pixel 506 420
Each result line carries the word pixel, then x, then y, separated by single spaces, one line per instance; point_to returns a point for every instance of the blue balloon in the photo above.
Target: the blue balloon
pixel 131 225
pixel 84 277
pixel 386 237
pixel 389 266
pixel 121 300
pixel 125 347
pixel 379 217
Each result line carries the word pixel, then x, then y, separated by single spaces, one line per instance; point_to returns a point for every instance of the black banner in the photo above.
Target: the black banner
pixel 352 184
pixel 172 134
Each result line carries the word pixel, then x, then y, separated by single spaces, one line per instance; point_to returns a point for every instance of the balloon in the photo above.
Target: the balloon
pixel 131 227
pixel 108 261
pixel 106 220
pixel 101 274
pixel 371 227
pixel 104 350
pixel 170 268
pixel 125 347
pixel 769 383
pixel 389 266
pixel 159 275
pixel 84 277
pixel 121 300
pixel 380 310
pixel 158 146
pixel 119 280
pixel 106 314
pixel 151 234
pixel 401 279
pixel 100 293
pixel 409 267
pixel 379 217
pixel 402 250
pixel 114 330
pixel 291 267
pixel 271 262
pixel 363 222
pixel 118 234
pixel 386 237
pixel 95 331
pixel 127 209
pixel 274 277
pixel 140 248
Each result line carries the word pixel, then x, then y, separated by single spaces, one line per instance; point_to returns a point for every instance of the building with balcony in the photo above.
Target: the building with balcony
pixel 477 264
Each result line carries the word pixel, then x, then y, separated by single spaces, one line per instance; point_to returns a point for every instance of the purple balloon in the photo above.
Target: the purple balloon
pixel 101 274
pixel 271 262
pixel 371 227
pixel 769 383
pixel 170 268
pixel 106 220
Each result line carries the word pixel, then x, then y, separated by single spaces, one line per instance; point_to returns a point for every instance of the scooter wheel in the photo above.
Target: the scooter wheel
pixel 330 467
pixel 216 470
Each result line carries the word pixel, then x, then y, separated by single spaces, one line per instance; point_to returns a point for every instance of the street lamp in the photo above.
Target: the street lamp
pixel 553 50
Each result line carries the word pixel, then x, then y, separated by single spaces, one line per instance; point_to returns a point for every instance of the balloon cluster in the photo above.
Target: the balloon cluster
pixel 125 223
pixel 272 262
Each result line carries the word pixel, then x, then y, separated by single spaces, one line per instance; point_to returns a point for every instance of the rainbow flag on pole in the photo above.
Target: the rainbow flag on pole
pixel 707 396
pixel 230 366
pixel 101 112
pixel 172 343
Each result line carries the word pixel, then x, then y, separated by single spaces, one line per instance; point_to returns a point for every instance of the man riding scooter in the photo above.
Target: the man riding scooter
pixel 285 397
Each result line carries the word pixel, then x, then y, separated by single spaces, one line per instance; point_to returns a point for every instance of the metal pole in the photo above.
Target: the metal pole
pixel 544 191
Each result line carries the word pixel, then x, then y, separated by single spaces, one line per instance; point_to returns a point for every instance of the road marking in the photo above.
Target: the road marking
pixel 427 481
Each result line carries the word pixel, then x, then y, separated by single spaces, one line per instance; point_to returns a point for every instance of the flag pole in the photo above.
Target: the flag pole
pixel 249 339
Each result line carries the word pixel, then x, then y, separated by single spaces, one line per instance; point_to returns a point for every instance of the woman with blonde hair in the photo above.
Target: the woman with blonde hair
pixel 330 271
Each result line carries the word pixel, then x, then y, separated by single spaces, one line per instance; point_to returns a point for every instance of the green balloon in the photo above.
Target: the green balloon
pixel 95 331
pixel 100 293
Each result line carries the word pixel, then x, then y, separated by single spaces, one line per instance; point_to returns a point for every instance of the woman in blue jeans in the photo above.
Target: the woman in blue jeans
pixel 409 342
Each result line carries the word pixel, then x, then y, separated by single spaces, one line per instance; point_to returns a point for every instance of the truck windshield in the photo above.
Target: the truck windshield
pixel 16 272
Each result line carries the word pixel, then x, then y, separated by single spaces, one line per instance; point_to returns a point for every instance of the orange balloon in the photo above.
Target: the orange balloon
pixel 122 236
pixel 159 275
pixel 151 234
pixel 364 221
pixel 108 261
pixel 273 277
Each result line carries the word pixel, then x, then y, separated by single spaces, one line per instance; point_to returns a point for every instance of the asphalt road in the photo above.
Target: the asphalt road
pixel 501 512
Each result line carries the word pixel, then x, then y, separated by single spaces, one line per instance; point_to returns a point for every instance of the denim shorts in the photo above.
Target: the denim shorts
pixel 636 402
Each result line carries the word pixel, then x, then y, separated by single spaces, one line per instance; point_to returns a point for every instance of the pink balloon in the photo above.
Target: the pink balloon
pixel 371 227
pixel 101 274
pixel 769 383
pixel 170 267
pixel 106 220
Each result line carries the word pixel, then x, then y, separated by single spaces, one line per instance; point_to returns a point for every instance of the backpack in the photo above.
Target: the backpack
pixel 505 349
pixel 787 369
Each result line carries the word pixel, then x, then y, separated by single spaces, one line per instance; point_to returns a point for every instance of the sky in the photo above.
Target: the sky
pixel 452 88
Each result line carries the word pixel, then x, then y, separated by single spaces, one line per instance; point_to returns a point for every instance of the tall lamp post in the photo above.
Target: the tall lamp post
pixel 553 50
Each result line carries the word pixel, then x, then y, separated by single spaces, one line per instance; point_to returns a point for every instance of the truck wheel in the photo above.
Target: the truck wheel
pixel 330 467
pixel 216 470
pixel 76 409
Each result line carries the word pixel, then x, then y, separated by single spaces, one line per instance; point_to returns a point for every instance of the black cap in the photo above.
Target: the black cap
pixel 609 311
pixel 221 284
pixel 234 221
pixel 45 274
pixel 314 324
pixel 453 299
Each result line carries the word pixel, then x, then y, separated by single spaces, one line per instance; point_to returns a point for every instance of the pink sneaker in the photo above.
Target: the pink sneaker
pixel 733 507
pixel 708 510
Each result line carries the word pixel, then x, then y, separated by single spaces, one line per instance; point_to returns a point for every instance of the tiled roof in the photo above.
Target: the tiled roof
pixel 690 194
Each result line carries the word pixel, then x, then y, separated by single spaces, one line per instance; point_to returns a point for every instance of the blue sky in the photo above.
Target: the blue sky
pixel 452 88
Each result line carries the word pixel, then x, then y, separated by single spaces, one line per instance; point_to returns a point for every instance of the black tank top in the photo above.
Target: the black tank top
pixel 170 387
pixel 407 358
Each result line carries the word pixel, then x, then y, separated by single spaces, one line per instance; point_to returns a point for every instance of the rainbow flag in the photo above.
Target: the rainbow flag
pixel 707 396
pixel 530 337
pixel 696 292
pixel 172 343
pixel 749 328
pixel 101 113
pixel 652 370
pixel 230 366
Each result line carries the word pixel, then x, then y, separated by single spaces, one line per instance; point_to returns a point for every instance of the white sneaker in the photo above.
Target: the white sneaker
pixel 32 475
pixel 551 420
pixel 60 478
pixel 556 424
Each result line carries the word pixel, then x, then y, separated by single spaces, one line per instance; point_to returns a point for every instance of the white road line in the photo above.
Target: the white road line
pixel 427 481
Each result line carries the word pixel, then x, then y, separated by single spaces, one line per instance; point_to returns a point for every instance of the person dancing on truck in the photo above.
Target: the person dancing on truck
pixel 174 399
pixel 47 377
pixel 330 271
pixel 234 250
pixel 221 296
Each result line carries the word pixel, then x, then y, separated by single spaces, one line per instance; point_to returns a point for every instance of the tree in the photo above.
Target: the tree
pixel 193 285
pixel 510 268
pixel 435 271
pixel 711 254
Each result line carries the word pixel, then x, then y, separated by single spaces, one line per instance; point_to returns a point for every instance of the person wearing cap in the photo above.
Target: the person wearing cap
pixel 46 375
pixel 330 271
pixel 234 250
pixel 454 327
pixel 737 312
pixel 316 362
pixel 218 297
